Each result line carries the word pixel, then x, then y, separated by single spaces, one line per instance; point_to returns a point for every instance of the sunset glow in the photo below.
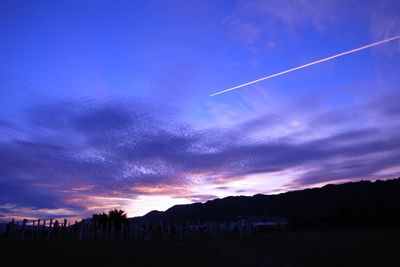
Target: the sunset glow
pixel 105 104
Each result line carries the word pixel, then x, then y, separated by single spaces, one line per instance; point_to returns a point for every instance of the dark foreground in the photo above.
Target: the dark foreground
pixel 323 248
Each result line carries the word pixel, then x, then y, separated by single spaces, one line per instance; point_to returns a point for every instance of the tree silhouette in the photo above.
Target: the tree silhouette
pixel 115 218
pixel 101 219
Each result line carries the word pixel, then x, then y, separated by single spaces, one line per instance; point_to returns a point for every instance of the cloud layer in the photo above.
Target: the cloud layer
pixel 84 156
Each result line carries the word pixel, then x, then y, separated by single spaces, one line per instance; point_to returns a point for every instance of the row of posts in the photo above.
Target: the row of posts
pixel 92 230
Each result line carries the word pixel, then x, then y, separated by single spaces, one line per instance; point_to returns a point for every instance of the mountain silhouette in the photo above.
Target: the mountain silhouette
pixel 354 204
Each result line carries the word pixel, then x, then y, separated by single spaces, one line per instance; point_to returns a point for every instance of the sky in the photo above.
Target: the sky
pixel 105 104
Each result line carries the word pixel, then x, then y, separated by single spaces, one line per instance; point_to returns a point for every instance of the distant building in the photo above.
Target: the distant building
pixel 271 222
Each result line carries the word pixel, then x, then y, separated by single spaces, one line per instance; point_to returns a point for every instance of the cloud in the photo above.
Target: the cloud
pixel 385 20
pixel 296 13
pixel 37 146
pixel 87 158
pixel 103 119
pixel 257 22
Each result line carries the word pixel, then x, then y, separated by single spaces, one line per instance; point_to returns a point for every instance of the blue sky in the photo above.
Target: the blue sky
pixel 106 103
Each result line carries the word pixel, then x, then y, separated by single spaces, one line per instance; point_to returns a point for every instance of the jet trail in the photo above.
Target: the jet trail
pixel 309 64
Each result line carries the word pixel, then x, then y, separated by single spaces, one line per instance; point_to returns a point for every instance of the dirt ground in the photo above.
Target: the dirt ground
pixel 288 248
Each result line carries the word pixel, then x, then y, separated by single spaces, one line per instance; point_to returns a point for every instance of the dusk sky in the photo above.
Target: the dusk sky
pixel 105 104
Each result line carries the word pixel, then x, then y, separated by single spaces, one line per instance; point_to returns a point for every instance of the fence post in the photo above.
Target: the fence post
pixel 112 230
pixel 122 234
pixel 81 229
pixel 11 228
pixel 50 229
pixel 23 229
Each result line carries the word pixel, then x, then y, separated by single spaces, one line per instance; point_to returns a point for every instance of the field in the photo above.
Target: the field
pixel 288 248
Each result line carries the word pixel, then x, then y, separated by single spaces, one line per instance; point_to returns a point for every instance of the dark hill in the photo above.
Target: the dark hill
pixel 355 204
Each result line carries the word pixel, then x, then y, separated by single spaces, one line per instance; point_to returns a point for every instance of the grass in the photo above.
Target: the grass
pixel 287 248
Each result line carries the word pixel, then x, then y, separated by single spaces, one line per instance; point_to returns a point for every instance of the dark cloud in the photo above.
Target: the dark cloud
pixel 261 122
pixel 361 168
pixel 387 105
pixel 103 119
pixel 34 145
pixel 222 187
pixel 241 191
pixel 25 193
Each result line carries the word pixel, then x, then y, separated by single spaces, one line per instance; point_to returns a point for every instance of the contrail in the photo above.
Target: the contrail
pixel 309 64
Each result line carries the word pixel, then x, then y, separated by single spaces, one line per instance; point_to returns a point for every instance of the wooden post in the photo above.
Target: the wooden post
pixel 56 229
pixel 33 229
pixel 43 229
pixel 81 230
pixel 64 229
pixel 107 233
pixel 23 229
pixel 187 229
pixel 37 229
pixel 11 227
pixel 147 235
pixel 131 230
pixel 50 229
pixel 95 225
pixel 112 230
pixel 121 236
pixel 17 230
pixel 161 230
pixel 75 229
pixel 68 230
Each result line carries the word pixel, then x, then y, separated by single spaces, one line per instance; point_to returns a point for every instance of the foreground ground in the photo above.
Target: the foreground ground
pixel 305 248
